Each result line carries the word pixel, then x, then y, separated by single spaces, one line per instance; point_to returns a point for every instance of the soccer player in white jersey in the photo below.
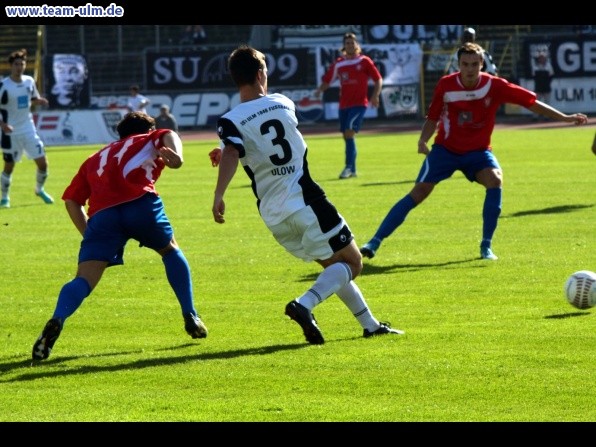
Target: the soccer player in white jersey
pixel 17 93
pixel 261 132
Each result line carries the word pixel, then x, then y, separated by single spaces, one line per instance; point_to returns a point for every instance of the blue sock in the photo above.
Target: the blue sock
pixel 178 273
pixel 395 217
pixel 490 214
pixel 351 154
pixel 70 298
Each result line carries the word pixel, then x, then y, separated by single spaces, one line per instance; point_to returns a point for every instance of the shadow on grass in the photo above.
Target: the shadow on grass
pixel 23 205
pixel 370 269
pixel 402 182
pixel 567 315
pixel 550 210
pixel 40 373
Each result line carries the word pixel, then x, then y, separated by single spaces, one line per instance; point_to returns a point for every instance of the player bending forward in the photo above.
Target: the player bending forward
pixel 118 184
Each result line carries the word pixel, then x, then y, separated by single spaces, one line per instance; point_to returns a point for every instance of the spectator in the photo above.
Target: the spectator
pixel 353 69
pixel 165 120
pixel 136 101
pixel 542 72
pixel 469 35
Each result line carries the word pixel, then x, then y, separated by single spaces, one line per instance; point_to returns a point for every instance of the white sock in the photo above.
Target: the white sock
pixel 41 179
pixel 5 180
pixel 352 297
pixel 328 282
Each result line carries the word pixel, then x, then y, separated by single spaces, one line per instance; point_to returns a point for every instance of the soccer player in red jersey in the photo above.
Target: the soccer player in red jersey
pixel 462 112
pixel 353 70
pixel 118 184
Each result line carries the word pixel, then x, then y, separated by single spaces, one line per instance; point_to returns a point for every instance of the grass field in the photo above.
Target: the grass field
pixel 485 341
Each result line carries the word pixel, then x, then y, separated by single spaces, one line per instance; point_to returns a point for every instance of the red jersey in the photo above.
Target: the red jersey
pixel 466 116
pixel 120 172
pixel 353 75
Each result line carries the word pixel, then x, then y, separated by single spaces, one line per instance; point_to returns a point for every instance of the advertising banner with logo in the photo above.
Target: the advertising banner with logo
pixel 203 109
pixel 400 66
pixel 400 100
pixel 179 70
pixel 573 62
pixel 308 108
pixel 64 128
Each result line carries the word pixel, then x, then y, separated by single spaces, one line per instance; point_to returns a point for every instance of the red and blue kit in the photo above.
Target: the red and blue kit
pixel 353 75
pixel 121 172
pixel 466 116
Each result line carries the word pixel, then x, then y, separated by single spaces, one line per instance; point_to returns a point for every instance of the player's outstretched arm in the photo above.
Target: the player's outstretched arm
pixel 544 109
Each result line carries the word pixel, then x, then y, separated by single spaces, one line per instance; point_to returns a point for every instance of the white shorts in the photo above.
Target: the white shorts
pixel 314 232
pixel 30 143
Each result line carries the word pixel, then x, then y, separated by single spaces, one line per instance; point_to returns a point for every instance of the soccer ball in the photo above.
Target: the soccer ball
pixel 580 289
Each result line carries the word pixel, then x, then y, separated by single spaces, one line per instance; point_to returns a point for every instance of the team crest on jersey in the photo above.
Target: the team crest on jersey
pixel 464 117
pixel 487 102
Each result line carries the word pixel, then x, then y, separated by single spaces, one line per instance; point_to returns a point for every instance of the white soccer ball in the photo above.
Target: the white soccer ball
pixel 580 289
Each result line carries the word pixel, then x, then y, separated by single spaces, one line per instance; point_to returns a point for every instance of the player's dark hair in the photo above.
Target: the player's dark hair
pixel 243 64
pixel 135 123
pixel 19 54
pixel 470 48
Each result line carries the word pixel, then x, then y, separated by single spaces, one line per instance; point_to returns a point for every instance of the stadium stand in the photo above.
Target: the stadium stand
pixel 14 38
pixel 115 53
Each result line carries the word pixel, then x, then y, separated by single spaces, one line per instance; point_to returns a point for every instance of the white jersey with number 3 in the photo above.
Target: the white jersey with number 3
pixel 273 154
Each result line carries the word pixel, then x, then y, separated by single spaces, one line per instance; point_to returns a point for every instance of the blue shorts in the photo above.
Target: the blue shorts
pixel 109 230
pixel 351 118
pixel 440 164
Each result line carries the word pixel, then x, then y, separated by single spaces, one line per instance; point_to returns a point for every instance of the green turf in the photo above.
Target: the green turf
pixel 485 341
